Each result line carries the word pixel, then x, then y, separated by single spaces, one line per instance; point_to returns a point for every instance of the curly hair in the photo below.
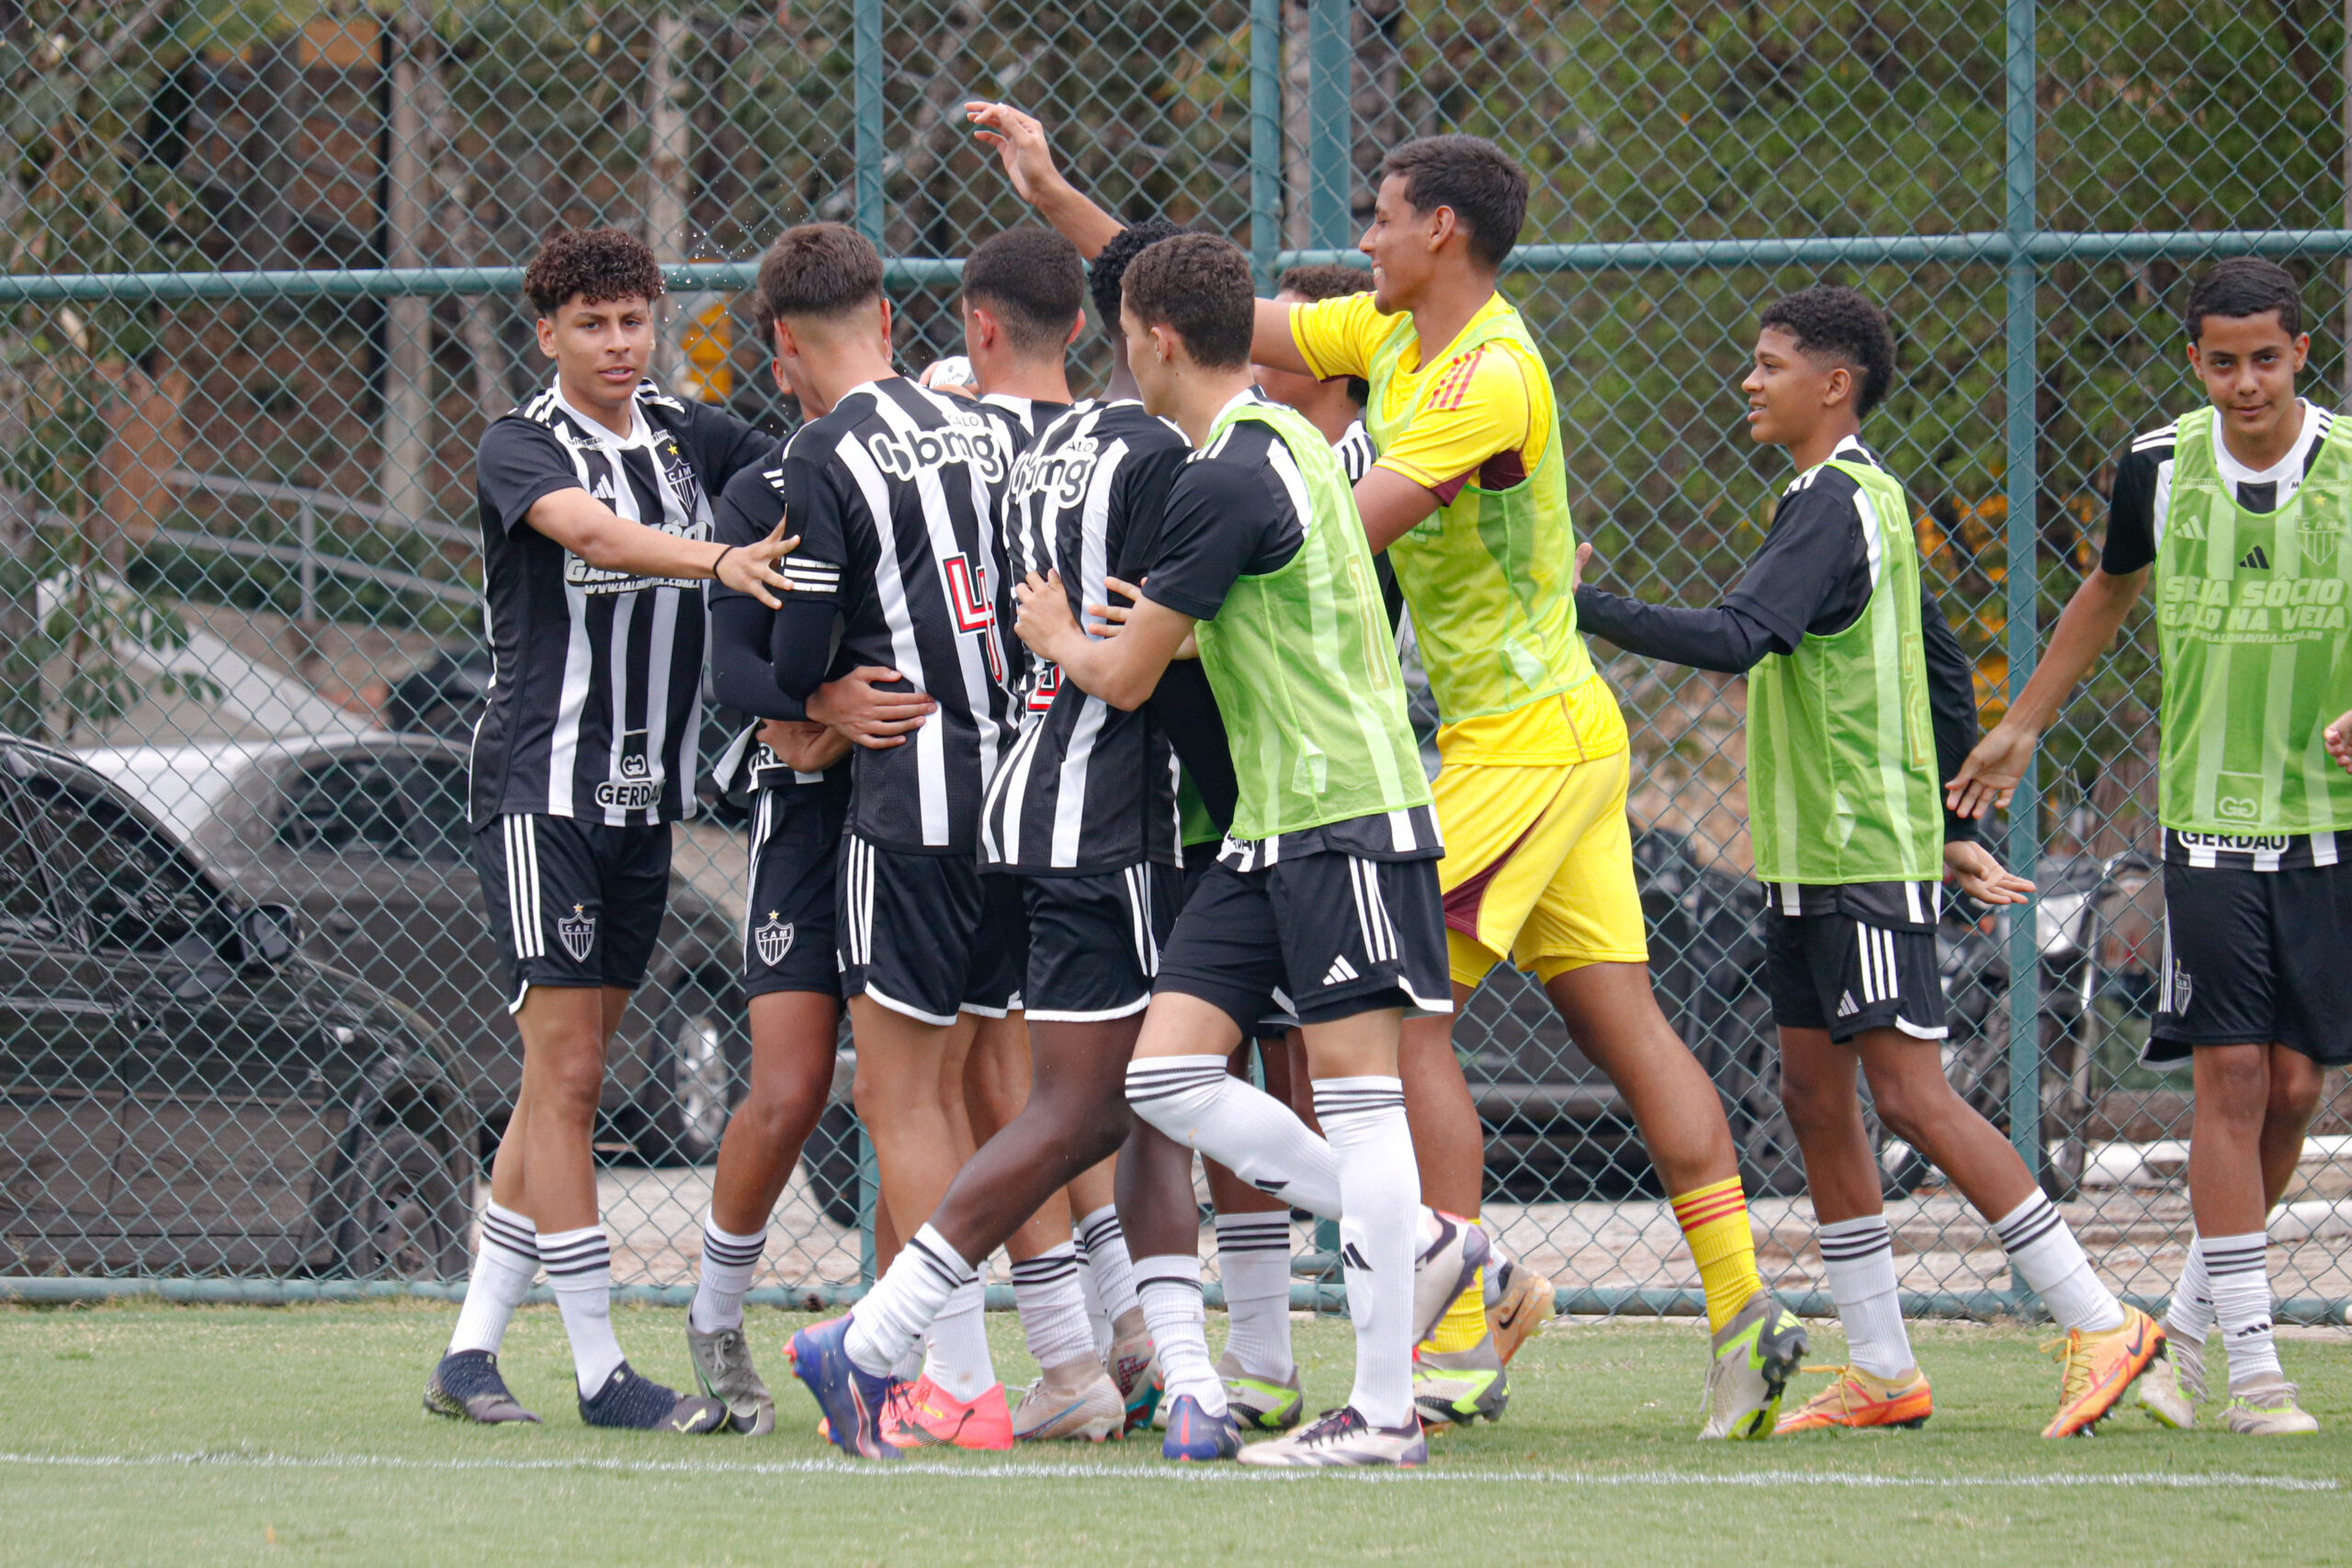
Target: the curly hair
pixel 592 265
pixel 1197 285
pixel 1831 318
pixel 1330 282
pixel 1109 270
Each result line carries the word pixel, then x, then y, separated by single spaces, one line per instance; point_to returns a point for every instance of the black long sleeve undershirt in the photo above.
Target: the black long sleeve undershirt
pixel 766 662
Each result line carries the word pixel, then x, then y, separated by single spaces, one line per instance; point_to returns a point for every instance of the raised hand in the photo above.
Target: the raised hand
pixel 1020 144
pixel 1990 774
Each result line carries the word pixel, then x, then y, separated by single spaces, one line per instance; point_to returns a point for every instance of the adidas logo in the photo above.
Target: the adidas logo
pixel 604 491
pixel 2256 560
pixel 1846 1007
pixel 1341 971
pixel 1350 1258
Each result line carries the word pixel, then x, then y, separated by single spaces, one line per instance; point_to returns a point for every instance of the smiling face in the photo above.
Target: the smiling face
pixel 2249 364
pixel 600 350
pixel 1788 390
pixel 1402 244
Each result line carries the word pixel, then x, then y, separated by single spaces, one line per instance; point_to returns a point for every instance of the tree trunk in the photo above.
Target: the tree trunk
pixel 666 170
pixel 1299 177
pixel 405 443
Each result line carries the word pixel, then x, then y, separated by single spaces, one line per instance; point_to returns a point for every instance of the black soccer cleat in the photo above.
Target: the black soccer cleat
pixel 638 1404
pixel 465 1387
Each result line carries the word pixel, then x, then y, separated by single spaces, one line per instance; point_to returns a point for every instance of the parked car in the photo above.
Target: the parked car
pixel 366 837
pixel 181 1089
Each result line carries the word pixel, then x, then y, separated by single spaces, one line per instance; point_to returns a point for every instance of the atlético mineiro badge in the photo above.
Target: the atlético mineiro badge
pixel 772 941
pixel 577 932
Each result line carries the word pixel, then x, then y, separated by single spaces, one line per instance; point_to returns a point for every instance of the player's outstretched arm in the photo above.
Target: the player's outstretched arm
pixel 609 542
pixel 1123 669
pixel 2339 743
pixel 2086 628
pixel 1028 159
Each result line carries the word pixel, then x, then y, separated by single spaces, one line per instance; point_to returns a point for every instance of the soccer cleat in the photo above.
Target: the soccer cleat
pixel 1856 1398
pixel 931 1417
pixel 1446 1267
pixel 2267 1410
pixel 1134 1367
pixel 851 1398
pixel 1755 1355
pixel 638 1404
pixel 2095 1369
pixel 2163 1390
pixel 1341 1439
pixel 1091 1413
pixel 467 1387
pixel 1196 1436
pixel 1525 1302
pixel 723 1368
pixel 1260 1403
pixel 1456 1388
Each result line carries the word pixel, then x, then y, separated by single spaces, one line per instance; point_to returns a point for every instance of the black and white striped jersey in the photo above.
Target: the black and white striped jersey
pixel 1354 451
pixel 898 487
pixel 1085 788
pixel 596 697
pixel 1025 416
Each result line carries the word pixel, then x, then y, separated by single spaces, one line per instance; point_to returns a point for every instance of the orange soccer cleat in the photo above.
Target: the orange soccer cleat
pixel 2095 1369
pixel 931 1417
pixel 1856 1398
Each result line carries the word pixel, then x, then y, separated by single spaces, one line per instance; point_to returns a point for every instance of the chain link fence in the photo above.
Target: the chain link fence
pixel 260 299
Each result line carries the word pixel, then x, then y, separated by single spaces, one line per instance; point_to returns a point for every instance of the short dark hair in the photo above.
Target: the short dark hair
pixel 1035 281
pixel 593 265
pixel 1110 266
pixel 2242 286
pixel 1199 286
pixel 1332 282
pixel 1831 318
pixel 815 269
pixel 1470 175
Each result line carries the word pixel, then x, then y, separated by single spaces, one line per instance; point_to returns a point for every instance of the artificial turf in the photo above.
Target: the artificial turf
pixel 141 1433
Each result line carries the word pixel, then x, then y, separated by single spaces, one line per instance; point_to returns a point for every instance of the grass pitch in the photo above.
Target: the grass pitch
pixel 194 1435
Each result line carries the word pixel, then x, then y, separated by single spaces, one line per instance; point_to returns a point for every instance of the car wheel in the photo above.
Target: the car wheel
pixel 829 1160
pixel 700 1065
pixel 401 1215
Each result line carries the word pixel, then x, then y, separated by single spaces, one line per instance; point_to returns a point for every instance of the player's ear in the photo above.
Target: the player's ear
pixel 2303 349
pixel 1837 386
pixel 884 300
pixel 547 337
pixel 1077 325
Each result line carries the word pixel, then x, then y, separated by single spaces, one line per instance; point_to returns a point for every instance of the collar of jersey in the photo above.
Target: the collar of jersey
pixel 2287 470
pixel 640 429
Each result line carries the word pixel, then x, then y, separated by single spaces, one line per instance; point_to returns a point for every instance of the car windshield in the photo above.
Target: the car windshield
pixel 389 802
pixel 24 903
pixel 132 890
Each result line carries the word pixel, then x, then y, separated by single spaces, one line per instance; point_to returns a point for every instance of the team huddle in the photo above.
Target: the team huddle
pixel 1079 775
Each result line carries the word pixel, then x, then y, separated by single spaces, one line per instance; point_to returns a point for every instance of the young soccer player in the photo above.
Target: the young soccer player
pixel 2242 514
pixel 595 539
pixel 1469 496
pixel 895 487
pixel 1325 897
pixel 1857 691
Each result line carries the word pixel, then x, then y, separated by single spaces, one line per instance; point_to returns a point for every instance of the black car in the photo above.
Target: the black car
pixel 182 1091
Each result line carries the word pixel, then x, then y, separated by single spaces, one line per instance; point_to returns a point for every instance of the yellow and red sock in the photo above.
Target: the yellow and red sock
pixel 1715 1222
pixel 1464 1323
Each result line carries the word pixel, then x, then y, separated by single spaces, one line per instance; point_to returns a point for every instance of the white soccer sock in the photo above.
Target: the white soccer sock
pixel 1858 1255
pixel 580 1267
pixel 1053 1307
pixel 1254 1261
pixel 504 1265
pixel 1200 1105
pixel 2190 1315
pixel 1098 1322
pixel 1103 1246
pixel 905 1302
pixel 728 1261
pixel 1381 1199
pixel 1168 1288
pixel 2242 1307
pixel 959 1359
pixel 2043 1252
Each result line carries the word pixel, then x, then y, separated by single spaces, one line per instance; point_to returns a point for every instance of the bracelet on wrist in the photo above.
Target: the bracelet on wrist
pixel 722 555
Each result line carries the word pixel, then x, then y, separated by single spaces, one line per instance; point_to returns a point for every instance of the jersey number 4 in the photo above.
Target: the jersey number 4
pixel 967 599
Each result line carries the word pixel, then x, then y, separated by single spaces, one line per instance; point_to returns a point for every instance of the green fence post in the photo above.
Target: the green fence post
pixel 869 1193
pixel 1329 176
pixel 2024 586
pixel 1265 139
pixel 867 141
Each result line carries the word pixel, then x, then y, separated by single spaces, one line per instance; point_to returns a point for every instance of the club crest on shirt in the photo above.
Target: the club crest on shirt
pixel 577 931
pixel 772 941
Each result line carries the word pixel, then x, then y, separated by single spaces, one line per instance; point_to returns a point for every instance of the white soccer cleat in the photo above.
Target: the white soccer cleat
pixel 2173 1384
pixel 1444 1268
pixel 2268 1409
pixel 1090 1413
pixel 1341 1440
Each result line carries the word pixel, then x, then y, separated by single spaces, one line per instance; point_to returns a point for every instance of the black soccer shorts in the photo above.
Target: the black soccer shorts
pixel 1095 942
pixel 1321 937
pixel 1836 973
pixel 788 918
pixel 2254 958
pixel 928 935
pixel 572 903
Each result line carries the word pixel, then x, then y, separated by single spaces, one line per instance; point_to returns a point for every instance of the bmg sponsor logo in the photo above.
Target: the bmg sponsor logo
pixel 974 445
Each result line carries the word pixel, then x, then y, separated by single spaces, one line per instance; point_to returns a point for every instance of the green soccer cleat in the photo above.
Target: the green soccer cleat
pixel 1756 1354
pixel 1260 1404
pixel 1458 1388
pixel 2267 1410
pixel 723 1368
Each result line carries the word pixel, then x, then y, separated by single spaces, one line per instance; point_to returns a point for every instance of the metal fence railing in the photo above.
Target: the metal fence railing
pixel 261 295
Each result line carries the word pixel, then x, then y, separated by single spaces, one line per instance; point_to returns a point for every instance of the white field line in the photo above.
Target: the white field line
pixel 1185 1475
